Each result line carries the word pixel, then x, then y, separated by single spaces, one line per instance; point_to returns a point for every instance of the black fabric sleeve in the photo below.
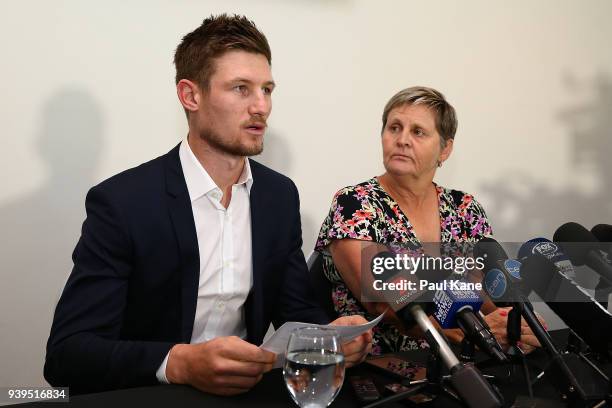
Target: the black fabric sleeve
pixel 84 350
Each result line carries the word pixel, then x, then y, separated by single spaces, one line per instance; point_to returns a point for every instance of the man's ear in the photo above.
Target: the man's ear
pixel 189 94
pixel 448 149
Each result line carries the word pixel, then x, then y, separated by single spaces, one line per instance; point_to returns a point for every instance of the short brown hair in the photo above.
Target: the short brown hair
pixel 445 116
pixel 195 55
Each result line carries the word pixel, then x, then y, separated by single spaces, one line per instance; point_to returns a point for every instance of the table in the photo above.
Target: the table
pixel 271 391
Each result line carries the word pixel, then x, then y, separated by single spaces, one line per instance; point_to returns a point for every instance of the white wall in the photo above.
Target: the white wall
pixel 87 91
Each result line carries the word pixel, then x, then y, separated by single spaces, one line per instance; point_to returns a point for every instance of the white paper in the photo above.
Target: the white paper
pixel 277 343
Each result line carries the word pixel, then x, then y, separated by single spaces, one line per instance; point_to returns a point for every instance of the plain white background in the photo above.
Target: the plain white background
pixel 87 91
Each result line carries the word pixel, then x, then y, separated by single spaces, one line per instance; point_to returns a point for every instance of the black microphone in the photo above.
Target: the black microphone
pixel 502 282
pixel 583 248
pixel 496 259
pixel 603 232
pixel 577 378
pixel 461 308
pixel 498 282
pixel 467 381
pixel 583 314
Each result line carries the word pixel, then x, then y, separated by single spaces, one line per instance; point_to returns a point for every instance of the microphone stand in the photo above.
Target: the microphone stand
pixel 513 329
pixel 468 350
pixel 580 390
pixel 470 386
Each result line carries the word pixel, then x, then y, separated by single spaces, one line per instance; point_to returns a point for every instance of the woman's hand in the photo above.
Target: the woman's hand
pixel 498 322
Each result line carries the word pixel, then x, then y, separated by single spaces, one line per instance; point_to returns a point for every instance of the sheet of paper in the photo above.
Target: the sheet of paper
pixel 277 343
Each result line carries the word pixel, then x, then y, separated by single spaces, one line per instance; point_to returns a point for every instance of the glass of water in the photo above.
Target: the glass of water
pixel 314 366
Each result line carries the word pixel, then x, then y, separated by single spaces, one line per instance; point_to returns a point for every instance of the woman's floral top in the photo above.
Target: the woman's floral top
pixel 366 212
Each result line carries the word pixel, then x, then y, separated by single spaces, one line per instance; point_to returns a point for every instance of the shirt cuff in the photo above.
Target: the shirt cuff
pixel 161 371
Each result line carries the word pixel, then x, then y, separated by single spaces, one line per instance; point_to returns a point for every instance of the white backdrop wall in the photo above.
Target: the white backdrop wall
pixel 87 91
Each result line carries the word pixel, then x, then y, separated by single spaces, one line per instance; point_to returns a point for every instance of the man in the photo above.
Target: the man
pixel 184 261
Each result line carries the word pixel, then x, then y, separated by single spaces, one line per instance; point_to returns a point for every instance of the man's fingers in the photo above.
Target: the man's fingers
pixel 353 320
pixel 357 345
pixel 357 350
pixel 237 349
pixel 268 366
pixel 350 348
pixel 229 367
pixel 237 382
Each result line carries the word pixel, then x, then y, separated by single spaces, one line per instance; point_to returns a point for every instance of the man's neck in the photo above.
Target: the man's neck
pixel 223 168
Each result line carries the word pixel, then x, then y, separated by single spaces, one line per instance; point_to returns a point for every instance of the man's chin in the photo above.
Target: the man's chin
pixel 253 150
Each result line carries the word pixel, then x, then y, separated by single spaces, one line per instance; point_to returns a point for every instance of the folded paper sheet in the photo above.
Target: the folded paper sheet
pixel 277 343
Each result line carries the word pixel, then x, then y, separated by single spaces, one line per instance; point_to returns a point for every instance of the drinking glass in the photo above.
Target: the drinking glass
pixel 314 366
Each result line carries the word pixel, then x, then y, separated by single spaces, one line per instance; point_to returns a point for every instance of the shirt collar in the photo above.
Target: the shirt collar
pixel 197 178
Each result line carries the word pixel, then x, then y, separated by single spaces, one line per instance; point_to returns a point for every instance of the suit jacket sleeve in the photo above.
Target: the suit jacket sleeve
pixel 296 300
pixel 84 350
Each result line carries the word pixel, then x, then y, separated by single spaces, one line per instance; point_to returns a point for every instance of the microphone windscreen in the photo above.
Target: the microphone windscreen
pixel 538 273
pixel 576 308
pixel 603 232
pixel 575 239
pixel 534 246
pixel 490 250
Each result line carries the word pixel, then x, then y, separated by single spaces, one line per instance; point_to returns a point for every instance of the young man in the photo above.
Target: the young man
pixel 184 261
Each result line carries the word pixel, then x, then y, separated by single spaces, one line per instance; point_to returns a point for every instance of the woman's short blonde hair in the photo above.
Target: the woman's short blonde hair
pixel 445 116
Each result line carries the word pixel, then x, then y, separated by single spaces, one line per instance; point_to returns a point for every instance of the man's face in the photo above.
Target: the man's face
pixel 234 110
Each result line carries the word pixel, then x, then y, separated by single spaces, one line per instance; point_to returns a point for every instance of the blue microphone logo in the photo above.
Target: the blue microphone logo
pixel 495 283
pixel 513 267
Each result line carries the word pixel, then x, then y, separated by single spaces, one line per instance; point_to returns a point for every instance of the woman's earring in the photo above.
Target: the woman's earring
pixel 439 163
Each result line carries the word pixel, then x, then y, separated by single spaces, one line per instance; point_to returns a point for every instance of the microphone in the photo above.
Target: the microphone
pixel 460 308
pixel 503 283
pixel 467 381
pixel 503 275
pixel 583 248
pixel 583 314
pixel 588 385
pixel 550 250
pixel 412 306
pixel 586 319
pixel 603 232
pixel 498 283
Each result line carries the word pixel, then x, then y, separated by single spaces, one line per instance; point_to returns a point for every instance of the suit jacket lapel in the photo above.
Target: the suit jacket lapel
pixel 254 310
pixel 181 214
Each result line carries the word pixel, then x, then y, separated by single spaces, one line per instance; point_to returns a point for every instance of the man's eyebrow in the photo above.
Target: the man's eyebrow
pixel 248 81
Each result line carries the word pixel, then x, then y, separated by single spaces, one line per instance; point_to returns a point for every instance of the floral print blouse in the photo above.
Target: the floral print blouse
pixel 367 212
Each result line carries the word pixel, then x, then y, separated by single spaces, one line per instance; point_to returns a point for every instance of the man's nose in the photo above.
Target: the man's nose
pixel 260 105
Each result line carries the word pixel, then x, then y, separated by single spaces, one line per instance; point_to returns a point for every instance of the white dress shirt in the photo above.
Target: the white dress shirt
pixel 224 242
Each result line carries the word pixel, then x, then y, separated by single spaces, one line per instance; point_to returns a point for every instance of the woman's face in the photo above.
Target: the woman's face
pixel 411 142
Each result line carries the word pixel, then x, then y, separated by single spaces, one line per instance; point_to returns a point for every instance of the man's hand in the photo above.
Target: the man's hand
pixel 356 350
pixel 223 366
pixel 498 320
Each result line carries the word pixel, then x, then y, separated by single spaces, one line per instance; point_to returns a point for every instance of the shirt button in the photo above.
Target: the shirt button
pixel 220 305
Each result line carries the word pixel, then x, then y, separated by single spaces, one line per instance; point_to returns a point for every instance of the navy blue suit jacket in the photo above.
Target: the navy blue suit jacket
pixel 132 292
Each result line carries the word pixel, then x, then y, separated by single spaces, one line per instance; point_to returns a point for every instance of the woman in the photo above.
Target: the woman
pixel 404 206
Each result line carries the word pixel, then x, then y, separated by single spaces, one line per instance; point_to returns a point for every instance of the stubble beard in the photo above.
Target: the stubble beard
pixel 232 148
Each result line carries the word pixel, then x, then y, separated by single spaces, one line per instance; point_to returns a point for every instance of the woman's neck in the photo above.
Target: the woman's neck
pixel 407 190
